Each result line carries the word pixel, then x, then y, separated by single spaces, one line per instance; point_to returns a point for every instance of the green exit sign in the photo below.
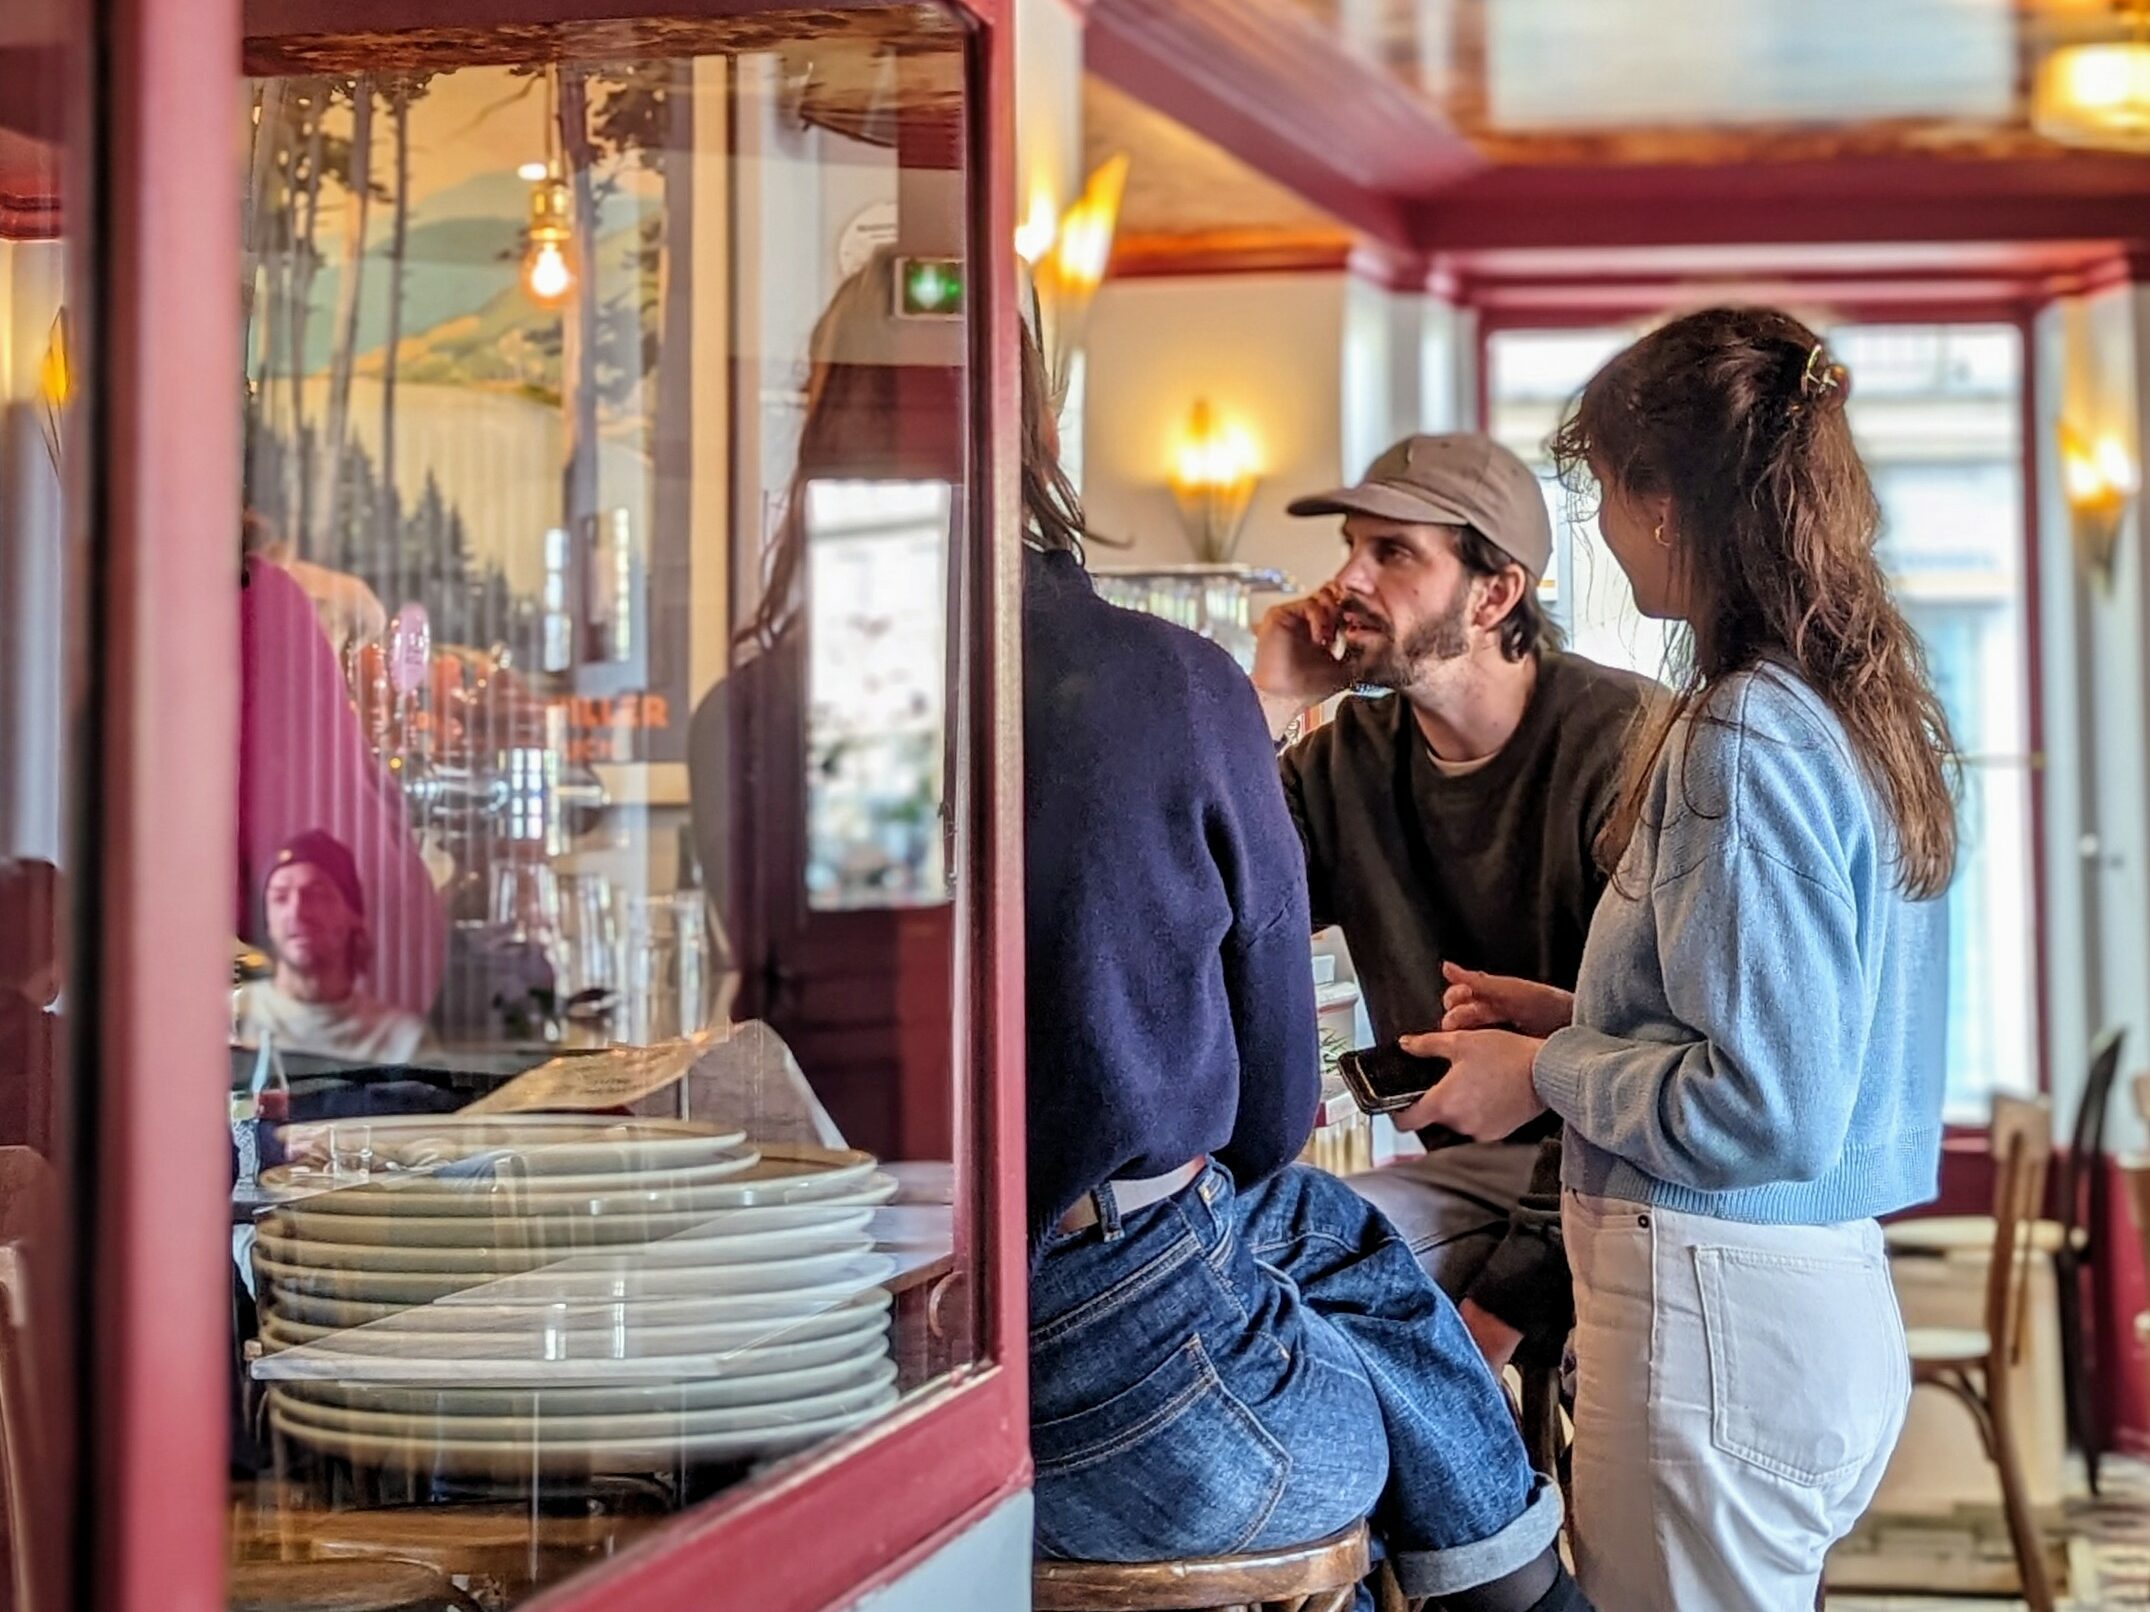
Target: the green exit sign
pixel 929 288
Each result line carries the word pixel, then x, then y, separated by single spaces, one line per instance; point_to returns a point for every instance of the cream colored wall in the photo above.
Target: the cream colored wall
pixel 2092 355
pixel 1267 351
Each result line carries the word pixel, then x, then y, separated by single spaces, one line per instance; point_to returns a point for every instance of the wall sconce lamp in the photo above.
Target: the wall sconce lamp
pixel 2100 479
pixel 55 384
pixel 1068 258
pixel 1214 474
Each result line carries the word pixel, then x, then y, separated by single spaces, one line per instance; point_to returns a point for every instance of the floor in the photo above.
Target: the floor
pixel 2110 1564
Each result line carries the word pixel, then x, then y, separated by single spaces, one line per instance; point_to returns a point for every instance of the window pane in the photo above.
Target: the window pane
pixel 1533 375
pixel 1937 410
pixel 594 1044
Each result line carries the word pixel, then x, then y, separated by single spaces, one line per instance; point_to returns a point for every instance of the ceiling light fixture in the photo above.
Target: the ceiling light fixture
pixel 2095 91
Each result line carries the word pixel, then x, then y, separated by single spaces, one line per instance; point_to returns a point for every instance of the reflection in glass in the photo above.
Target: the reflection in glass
pixel 877 576
pixel 49 386
pixel 602 620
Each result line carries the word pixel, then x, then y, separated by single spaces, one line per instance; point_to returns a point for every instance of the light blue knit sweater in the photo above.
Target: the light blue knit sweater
pixel 1758 1028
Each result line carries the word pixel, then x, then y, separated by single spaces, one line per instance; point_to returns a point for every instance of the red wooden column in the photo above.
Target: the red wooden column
pixel 164 629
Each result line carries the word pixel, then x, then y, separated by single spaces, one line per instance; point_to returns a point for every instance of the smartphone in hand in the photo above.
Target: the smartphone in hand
pixel 1385 1079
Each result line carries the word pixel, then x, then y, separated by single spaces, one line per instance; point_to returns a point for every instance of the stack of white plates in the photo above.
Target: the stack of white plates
pixel 558 1294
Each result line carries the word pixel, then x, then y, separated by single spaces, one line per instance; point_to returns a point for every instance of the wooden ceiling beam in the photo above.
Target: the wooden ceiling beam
pixel 1263 80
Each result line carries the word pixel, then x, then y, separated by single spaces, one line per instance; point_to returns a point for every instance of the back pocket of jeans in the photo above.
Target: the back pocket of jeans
pixel 1174 1466
pixel 1807 1366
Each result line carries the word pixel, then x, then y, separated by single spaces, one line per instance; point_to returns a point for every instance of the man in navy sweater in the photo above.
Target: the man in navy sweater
pixel 1228 1351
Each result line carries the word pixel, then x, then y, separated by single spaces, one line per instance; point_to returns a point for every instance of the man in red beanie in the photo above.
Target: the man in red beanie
pixel 315 910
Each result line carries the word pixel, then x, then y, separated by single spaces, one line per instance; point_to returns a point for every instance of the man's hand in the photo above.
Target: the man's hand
pixel 1487 1093
pixel 1295 667
pixel 1475 1001
pixel 1496 1339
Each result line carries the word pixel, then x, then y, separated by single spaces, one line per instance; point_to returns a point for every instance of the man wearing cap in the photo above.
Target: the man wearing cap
pixel 1450 825
pixel 315 911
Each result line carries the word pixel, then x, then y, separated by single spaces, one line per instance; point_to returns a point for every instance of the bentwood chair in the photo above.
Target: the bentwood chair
pixel 2073 1239
pixel 1319 1577
pixel 1976 1366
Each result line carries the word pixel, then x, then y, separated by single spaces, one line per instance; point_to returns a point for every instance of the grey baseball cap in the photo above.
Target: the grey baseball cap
pixel 1458 479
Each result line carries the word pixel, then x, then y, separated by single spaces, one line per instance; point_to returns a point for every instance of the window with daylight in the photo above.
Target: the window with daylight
pixel 1937 409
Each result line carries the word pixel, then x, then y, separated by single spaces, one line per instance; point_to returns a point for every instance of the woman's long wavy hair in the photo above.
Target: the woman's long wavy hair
pixel 1736 415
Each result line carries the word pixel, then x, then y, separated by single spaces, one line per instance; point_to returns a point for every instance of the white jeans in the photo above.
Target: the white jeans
pixel 1739 1390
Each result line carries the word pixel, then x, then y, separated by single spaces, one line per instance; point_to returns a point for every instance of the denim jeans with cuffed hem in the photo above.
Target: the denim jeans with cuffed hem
pixel 1233 1371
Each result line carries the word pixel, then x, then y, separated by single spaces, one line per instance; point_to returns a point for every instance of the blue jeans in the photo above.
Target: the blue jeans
pixel 1226 1371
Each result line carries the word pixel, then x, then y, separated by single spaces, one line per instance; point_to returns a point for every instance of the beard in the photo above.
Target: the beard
pixel 1390 663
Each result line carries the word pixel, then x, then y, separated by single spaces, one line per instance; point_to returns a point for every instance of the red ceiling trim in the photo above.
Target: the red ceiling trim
pixel 29 218
pixel 1896 202
pixel 1393 268
pixel 1923 297
pixel 1284 99
pixel 276 19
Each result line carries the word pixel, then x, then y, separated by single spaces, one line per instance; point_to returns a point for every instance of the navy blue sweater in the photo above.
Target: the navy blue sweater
pixel 1171 999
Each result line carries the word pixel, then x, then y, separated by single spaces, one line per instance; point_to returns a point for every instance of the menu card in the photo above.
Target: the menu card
pixel 585 1082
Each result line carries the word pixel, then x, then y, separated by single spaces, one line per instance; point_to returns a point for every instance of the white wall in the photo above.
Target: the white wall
pixel 33 555
pixel 1267 351
pixel 985 1569
pixel 2092 356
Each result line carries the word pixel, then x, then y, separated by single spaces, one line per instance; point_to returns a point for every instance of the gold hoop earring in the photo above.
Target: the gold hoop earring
pixel 1662 541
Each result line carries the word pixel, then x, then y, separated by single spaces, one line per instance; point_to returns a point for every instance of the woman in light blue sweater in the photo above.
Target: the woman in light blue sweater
pixel 1750 1067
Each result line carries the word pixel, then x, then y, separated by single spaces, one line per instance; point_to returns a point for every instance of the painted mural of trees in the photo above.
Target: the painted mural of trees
pixel 328 154
pixel 296 159
pixel 343 351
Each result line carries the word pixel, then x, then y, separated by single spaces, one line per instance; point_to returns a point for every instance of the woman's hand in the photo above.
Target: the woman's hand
pixel 1475 1001
pixel 1487 1093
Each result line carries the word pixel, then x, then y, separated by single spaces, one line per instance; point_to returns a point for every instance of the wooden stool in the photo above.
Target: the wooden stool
pixel 1320 1577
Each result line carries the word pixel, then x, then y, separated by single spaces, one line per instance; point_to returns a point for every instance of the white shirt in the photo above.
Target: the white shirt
pixel 359 1029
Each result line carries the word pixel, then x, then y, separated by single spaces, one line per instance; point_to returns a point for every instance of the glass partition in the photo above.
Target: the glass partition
pixel 593 1081
pixel 48 392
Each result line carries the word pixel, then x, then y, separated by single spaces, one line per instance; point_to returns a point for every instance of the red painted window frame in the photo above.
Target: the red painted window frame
pixel 1876 298
pixel 154 1497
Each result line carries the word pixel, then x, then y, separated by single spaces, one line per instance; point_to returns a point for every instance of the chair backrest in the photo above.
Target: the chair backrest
pixel 2021 1138
pixel 2086 1144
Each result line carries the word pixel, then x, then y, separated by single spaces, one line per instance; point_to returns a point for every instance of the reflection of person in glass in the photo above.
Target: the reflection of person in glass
pixel 1229 1351
pixel 314 910
pixel 884 404
pixel 350 612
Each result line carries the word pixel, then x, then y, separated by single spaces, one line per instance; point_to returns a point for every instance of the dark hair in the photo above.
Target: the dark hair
pixel 1736 416
pixel 1052 509
pixel 1526 628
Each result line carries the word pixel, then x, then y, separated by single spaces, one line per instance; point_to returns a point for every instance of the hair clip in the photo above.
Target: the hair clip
pixel 1820 375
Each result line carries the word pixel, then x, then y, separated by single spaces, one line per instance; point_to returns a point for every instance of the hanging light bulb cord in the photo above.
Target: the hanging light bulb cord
pixel 552 122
